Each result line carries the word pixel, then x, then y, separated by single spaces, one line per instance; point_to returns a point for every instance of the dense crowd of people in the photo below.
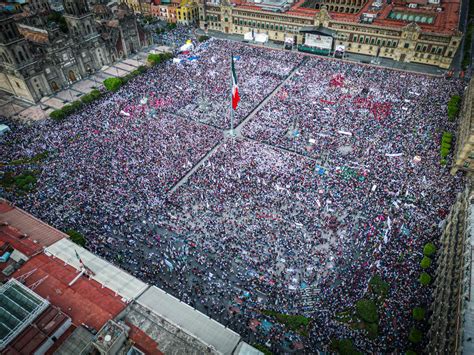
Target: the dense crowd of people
pixel 335 179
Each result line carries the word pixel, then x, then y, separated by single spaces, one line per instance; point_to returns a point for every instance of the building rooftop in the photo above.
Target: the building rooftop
pixel 38 333
pixel 19 307
pixel 78 341
pixel 85 302
pixel 37 231
pixel 107 275
pixel 110 333
pixel 442 18
pixel 190 320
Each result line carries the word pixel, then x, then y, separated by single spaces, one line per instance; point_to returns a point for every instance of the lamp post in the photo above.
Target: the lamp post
pixel 91 71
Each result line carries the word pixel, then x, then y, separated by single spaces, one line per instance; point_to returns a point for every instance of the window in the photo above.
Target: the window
pixel 406 45
pixel 18 84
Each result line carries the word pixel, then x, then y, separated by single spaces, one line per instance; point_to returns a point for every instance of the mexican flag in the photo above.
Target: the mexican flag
pixel 235 87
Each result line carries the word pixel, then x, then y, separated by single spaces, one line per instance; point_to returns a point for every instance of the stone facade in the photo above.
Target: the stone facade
pixel 464 156
pixel 37 58
pixel 406 42
pixel 451 293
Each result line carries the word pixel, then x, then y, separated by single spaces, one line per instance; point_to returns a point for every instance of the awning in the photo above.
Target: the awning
pixel 322 31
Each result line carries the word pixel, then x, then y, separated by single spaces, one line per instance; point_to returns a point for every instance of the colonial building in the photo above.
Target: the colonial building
pixel 187 12
pixel 412 31
pixel 165 10
pixel 452 311
pixel 38 57
pixel 464 155
pixel 138 6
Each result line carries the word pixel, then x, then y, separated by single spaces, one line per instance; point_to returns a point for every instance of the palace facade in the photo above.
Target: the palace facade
pixel 413 31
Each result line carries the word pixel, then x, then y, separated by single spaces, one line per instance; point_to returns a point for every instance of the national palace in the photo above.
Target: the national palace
pixel 412 31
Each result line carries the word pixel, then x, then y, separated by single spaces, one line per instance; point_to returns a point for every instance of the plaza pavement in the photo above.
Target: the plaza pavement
pixel 16 108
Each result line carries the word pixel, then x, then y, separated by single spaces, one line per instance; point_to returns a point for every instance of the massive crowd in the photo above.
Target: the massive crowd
pixel 336 178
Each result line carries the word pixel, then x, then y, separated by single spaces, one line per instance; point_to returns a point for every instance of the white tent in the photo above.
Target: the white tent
pixel 261 38
pixel 248 36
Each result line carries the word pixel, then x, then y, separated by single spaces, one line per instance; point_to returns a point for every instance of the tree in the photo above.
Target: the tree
pixel 379 286
pixel 57 115
pixel 429 249
pixel 425 279
pixel 415 336
pixel 203 38
pixel 454 105
pixel 76 237
pixel 155 59
pixel 425 262
pixel 367 311
pixel 372 329
pixel 112 84
pixel 418 313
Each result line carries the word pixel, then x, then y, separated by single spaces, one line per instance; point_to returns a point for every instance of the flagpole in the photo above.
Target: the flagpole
pixel 231 88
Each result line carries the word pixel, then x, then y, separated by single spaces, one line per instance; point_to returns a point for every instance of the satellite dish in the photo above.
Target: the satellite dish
pixel 107 337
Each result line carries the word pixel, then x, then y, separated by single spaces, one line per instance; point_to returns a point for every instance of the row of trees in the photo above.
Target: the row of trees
pixel 454 105
pixel 155 59
pixel 111 84
pixel 419 313
pixel 445 148
pixel 69 109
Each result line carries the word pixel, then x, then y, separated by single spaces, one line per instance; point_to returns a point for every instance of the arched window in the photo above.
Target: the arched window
pixel 20 54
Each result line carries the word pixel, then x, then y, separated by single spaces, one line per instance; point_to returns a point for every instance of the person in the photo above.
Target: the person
pixel 318 194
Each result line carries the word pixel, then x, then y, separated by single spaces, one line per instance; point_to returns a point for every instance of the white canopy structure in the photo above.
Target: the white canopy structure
pixel 195 323
pixel 122 283
pixel 248 36
pixel 261 38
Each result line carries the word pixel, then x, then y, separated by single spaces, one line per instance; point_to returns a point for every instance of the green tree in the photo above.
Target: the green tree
pixel 418 313
pixel 425 262
pixel 366 310
pixel 454 106
pixel 429 249
pixel 372 329
pixel 112 84
pixel 415 336
pixel 379 286
pixel 425 279
pixel 76 237
pixel 57 115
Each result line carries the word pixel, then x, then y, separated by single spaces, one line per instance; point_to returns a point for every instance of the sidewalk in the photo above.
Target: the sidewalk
pixel 15 108
pixel 353 57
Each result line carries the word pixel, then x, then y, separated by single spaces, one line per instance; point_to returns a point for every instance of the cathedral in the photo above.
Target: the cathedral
pixel 42 52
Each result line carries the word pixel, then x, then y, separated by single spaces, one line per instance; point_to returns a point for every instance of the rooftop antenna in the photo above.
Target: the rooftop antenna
pixel 37 283
pixel 84 270
pixel 22 278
